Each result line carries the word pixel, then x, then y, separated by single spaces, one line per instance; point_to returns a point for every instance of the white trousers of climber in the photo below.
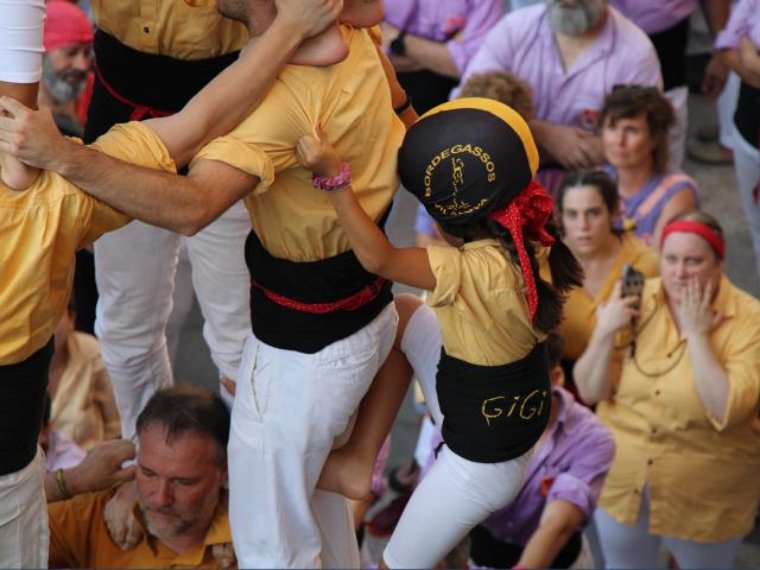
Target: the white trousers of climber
pixel 456 494
pixel 135 269
pixel 289 409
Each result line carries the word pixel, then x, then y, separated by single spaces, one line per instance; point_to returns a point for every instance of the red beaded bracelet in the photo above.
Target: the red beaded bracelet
pixel 333 183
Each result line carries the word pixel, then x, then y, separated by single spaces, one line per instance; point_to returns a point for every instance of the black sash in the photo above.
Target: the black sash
pixel 488 551
pixel 494 413
pixel 324 281
pixel 159 82
pixel 21 406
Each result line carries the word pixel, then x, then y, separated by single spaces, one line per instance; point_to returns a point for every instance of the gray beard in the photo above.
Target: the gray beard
pixel 59 89
pixel 575 20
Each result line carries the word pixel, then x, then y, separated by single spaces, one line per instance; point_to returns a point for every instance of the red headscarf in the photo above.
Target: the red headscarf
pixel 526 215
pixel 65 24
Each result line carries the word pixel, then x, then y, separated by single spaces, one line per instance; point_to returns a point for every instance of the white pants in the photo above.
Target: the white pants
pixel 747 167
pixel 135 268
pixel 634 547
pixel 726 106
pixel 289 409
pixel 24 535
pixel 21 24
pixel 456 494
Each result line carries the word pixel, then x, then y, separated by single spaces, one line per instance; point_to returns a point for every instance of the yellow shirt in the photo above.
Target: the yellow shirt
pixel 479 301
pixel 79 539
pixel 182 29
pixel 351 101
pixel 702 474
pixel 83 406
pixel 580 308
pixel 41 229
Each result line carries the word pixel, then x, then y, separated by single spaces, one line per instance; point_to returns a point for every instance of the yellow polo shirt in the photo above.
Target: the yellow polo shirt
pixel 351 100
pixel 79 539
pixel 580 308
pixel 182 29
pixel 702 474
pixel 41 229
pixel 480 303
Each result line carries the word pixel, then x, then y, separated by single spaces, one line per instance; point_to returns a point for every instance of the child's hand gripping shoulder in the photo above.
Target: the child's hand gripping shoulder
pixel 315 153
pixel 376 254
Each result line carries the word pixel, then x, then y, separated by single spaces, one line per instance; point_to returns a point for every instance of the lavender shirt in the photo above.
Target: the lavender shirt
pixel 462 24
pixel 523 43
pixel 744 21
pixel 654 16
pixel 573 462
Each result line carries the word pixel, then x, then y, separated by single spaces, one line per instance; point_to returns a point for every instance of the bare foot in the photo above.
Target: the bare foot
pixel 347 473
pixel 326 48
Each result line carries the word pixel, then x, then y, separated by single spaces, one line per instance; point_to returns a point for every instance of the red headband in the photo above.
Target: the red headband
pixel 702 230
pixel 530 209
pixel 65 24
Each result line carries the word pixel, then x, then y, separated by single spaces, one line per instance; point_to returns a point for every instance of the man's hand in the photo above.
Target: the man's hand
pixel 28 135
pixel 102 468
pixel 308 17
pixel 695 316
pixel 120 518
pixel 714 79
pixel 572 147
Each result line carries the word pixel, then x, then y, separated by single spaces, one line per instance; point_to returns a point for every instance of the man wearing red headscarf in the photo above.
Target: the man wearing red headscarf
pixel 67 78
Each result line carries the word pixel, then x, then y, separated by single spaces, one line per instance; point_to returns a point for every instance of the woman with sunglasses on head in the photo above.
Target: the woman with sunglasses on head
pixel 680 393
pixel 587 210
pixel 635 121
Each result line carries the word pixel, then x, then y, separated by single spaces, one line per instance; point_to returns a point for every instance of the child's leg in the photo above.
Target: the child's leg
pixel 430 527
pixel 348 470
pixel 21 24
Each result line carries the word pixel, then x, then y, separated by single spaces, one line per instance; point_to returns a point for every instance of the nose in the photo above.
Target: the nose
pixel 585 223
pixel 82 61
pixel 681 271
pixel 162 494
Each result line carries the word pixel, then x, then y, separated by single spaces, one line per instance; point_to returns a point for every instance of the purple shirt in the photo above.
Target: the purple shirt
pixel 744 22
pixel 462 24
pixel 572 463
pixel 654 16
pixel 62 452
pixel 523 43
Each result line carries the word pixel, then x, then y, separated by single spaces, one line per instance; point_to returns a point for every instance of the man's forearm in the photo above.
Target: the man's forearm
pixel 434 56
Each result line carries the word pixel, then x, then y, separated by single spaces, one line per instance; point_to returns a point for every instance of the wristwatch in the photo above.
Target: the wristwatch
pixel 398 44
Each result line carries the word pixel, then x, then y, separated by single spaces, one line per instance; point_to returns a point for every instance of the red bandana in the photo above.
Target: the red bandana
pixel 527 214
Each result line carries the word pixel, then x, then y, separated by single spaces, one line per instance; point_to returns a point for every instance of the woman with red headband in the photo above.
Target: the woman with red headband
pixel 478 346
pixel 680 394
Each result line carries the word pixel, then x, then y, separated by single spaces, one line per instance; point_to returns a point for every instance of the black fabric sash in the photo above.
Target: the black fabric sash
pixel 156 81
pixel 21 407
pixel 494 413
pixel 322 281
pixel 489 552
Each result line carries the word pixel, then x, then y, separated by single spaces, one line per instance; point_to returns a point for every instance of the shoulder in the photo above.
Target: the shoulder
pixel 85 345
pixel 639 254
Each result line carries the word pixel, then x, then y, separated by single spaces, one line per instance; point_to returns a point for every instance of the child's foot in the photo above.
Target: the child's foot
pixel 346 473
